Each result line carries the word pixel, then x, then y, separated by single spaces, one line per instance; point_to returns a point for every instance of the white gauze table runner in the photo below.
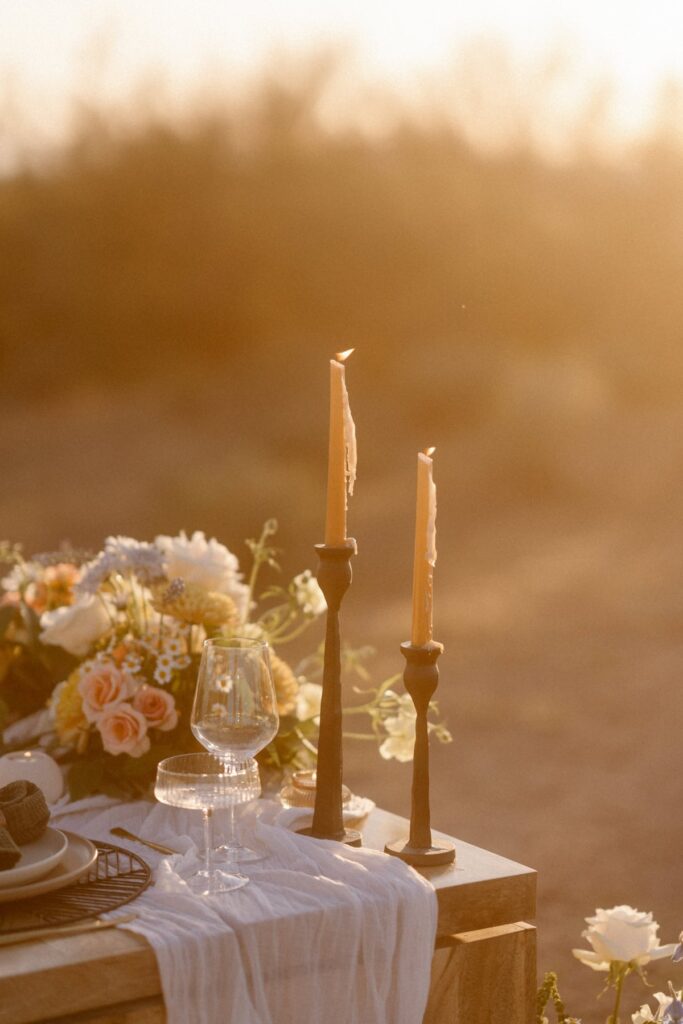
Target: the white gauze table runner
pixel 322 932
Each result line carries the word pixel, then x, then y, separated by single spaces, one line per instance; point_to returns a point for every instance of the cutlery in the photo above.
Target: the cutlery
pixel 60 930
pixel 123 833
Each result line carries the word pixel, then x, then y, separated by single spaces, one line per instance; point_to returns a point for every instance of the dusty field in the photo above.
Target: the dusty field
pixel 560 611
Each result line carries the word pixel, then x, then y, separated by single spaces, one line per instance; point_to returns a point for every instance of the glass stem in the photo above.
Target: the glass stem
pixel 208 844
pixel 231 843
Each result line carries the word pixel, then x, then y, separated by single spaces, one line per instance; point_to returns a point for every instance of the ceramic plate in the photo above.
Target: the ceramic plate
pixel 36 859
pixel 78 858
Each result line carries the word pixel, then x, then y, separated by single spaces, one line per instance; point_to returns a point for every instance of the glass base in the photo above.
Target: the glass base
pixel 238 855
pixel 205 883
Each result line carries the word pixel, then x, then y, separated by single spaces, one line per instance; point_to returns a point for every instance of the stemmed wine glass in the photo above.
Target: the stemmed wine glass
pixel 235 716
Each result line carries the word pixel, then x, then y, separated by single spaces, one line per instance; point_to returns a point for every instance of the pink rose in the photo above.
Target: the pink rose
pixel 103 687
pixel 157 706
pixel 123 730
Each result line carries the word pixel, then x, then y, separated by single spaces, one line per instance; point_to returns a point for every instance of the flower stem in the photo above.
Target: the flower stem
pixel 619 985
pixel 260 555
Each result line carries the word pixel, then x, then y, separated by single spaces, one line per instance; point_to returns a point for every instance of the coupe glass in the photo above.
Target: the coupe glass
pixel 235 716
pixel 201 781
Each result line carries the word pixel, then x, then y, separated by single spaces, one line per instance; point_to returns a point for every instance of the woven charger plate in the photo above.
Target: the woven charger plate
pixel 114 877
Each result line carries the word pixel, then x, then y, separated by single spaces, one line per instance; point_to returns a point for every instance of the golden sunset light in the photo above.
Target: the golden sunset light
pixel 356 783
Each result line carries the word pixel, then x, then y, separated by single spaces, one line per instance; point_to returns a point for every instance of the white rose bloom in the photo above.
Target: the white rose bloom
pixel 308 594
pixel 308 700
pixel 400 743
pixel 621 934
pixel 207 563
pixel 76 627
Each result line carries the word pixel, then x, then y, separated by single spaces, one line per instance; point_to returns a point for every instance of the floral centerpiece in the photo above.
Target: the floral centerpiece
pixel 99 656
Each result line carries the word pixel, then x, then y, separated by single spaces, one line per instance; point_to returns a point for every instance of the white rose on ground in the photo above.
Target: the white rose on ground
pixel 207 563
pixel 621 934
pixel 123 731
pixel 400 743
pixel 308 700
pixel 76 627
pixel 308 594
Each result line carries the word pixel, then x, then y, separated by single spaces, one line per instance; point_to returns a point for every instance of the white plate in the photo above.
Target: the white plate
pixel 79 857
pixel 36 859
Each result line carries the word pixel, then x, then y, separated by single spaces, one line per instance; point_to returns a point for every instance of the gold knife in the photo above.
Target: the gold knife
pixel 123 833
pixel 58 931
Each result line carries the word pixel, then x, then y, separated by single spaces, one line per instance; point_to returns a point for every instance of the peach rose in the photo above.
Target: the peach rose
pixel 123 730
pixel 103 687
pixel 157 706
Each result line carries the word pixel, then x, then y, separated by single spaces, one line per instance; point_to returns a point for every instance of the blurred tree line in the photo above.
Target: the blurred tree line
pixel 256 238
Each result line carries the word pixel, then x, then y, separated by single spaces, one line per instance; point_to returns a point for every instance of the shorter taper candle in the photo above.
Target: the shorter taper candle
pixel 425 549
pixel 341 466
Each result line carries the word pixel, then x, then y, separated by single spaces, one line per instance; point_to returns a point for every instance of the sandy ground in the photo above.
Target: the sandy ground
pixel 561 620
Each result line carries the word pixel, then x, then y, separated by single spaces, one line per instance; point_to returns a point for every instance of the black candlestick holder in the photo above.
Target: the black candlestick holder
pixel 421 678
pixel 334 577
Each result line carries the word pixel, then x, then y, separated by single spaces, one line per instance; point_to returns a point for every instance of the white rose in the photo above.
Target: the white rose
pixel 207 563
pixel 621 934
pixel 308 700
pixel 400 743
pixel 308 594
pixel 76 627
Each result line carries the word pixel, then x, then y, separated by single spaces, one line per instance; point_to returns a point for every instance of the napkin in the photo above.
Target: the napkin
pixel 321 932
pixel 9 851
pixel 24 816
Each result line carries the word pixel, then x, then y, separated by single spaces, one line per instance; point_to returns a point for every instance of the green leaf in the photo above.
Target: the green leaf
pixel 32 624
pixel 8 615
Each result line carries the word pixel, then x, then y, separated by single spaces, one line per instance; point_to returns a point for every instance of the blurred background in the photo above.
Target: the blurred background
pixel 200 204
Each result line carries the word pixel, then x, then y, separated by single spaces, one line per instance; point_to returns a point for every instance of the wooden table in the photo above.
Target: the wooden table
pixel 483 972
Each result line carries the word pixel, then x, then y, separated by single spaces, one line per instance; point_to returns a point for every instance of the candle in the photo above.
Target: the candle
pixel 34 766
pixel 425 550
pixel 341 466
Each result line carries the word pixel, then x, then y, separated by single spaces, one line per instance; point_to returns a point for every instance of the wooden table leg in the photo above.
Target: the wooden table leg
pixel 484 977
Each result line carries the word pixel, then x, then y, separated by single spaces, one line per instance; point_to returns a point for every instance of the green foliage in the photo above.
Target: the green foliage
pixel 549 992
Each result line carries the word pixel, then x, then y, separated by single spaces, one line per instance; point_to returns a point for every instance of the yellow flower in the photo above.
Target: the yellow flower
pixel 71 724
pixel 286 686
pixel 196 605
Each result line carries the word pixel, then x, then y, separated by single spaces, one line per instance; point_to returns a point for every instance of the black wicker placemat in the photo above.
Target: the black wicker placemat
pixel 116 878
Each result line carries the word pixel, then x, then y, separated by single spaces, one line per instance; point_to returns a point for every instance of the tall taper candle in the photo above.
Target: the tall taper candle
pixel 425 550
pixel 341 467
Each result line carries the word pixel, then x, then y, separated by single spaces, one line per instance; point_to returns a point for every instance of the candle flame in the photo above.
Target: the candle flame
pixel 429 452
pixel 341 357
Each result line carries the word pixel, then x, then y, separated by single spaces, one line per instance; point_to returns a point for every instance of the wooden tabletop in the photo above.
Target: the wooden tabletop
pixel 51 978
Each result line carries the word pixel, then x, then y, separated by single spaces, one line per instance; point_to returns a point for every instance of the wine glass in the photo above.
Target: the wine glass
pixel 235 715
pixel 201 781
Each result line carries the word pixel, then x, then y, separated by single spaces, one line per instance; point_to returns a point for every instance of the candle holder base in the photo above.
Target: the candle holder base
pixel 350 837
pixel 422 857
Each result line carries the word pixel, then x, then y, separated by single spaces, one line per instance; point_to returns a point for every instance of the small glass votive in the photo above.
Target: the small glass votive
pixel 300 790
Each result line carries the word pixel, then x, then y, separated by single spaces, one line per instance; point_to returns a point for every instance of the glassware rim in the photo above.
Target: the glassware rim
pixel 223 642
pixel 202 775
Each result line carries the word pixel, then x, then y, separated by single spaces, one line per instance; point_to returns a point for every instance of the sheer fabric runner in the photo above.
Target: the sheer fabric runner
pixel 324 932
